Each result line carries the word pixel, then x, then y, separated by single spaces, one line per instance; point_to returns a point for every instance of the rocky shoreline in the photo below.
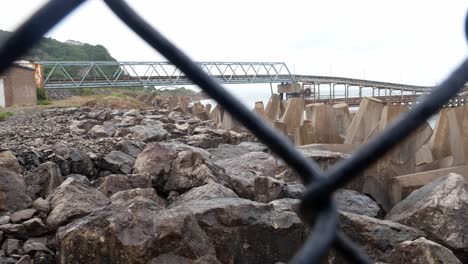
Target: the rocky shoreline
pixel 87 185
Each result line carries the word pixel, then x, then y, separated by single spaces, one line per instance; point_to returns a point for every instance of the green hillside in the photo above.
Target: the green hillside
pixel 54 50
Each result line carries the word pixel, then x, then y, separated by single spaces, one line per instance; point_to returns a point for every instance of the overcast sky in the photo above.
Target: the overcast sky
pixel 414 42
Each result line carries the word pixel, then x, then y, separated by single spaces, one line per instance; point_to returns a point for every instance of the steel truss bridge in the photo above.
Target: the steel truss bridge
pixel 100 74
pixel 89 74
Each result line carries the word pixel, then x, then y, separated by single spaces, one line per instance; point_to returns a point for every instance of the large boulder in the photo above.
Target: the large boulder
pixel 73 161
pixel 267 189
pixel 118 162
pixel 43 180
pixel 147 193
pixel 132 148
pixel 243 170
pixel 73 199
pixel 149 133
pixel 206 192
pixel 179 146
pixel 354 202
pixel 101 131
pixel 191 169
pixel 440 209
pixel 135 230
pixel 243 231
pixel 13 194
pixel 227 151
pixel 421 251
pixel 376 237
pixel 155 160
pixel 114 183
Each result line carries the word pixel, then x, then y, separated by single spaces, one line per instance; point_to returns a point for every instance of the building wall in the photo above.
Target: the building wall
pixel 20 88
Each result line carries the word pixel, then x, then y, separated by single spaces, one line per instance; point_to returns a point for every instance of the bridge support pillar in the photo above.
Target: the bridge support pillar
pixel 318 91
pixel 333 89
pixel 346 92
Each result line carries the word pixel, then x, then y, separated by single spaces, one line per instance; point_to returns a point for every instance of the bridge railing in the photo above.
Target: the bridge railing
pixel 317 207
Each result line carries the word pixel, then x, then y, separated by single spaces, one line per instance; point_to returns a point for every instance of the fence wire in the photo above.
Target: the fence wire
pixel 317 206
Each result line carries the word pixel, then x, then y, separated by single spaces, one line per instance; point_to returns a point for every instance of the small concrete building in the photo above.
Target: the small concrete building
pixel 17 86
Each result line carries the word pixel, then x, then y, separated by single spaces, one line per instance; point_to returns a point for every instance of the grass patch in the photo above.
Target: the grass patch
pixel 44 102
pixel 41 94
pixel 5 115
pixel 119 95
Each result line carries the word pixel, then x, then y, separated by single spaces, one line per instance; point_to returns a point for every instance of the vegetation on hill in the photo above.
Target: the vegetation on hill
pixel 54 50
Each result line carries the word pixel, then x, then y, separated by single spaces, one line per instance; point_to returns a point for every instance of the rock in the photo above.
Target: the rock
pixel 14 230
pixel 13 196
pixel 293 190
pixel 243 231
pixel 11 246
pixel 149 133
pixel 80 178
pixel 421 251
pixel 286 204
pixel 354 202
pixel 41 205
pixel 179 146
pixel 376 237
pixel 73 161
pixel 26 259
pixel 35 227
pixel 32 246
pixel 118 162
pixel 439 209
pixel 4 219
pixel 148 193
pixel 132 112
pixel 115 183
pixel 136 230
pixel 171 258
pixel 99 131
pixel 227 151
pixel 81 127
pixel 128 121
pixel 72 200
pixel 243 170
pixel 205 137
pixel 43 180
pixel 9 162
pixel 5 260
pixel 267 189
pixel 191 169
pixel 128 147
pixel 155 160
pixel 206 192
pixel 22 215
pixel 43 258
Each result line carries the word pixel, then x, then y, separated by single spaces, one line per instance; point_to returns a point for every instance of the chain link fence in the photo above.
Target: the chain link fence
pixel 317 206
